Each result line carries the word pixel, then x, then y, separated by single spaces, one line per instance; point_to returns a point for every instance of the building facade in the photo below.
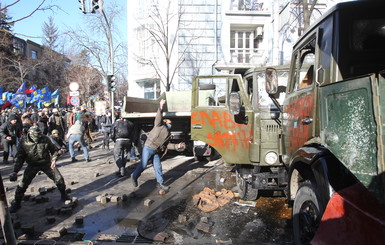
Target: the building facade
pixel 207 37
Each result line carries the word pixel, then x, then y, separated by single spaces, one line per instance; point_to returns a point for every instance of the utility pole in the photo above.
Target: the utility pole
pixel 98 5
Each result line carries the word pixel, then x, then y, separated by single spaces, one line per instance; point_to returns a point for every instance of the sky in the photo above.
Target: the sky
pixel 68 15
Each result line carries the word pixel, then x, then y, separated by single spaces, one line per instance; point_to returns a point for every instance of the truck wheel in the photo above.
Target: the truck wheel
pixel 307 213
pixel 246 191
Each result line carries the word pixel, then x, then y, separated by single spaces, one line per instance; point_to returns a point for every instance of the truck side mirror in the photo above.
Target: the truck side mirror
pixel 271 81
pixel 235 103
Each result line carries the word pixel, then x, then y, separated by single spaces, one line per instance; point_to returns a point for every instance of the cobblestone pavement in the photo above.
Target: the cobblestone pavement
pixel 106 208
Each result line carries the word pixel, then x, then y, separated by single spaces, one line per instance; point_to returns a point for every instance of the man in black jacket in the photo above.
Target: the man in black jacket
pixel 40 154
pixel 122 134
pixel 10 131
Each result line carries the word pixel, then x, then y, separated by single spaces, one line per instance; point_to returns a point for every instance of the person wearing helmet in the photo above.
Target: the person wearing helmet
pixel 56 121
pixel 40 154
pixel 59 142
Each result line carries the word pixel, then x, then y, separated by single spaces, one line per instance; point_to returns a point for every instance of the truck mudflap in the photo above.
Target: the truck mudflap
pixel 352 216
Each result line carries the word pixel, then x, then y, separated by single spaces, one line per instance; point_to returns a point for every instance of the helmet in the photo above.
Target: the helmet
pixel 35 133
pixel 55 131
pixel 34 129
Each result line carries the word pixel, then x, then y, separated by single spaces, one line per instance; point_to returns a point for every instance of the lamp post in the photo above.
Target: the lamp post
pixel 111 54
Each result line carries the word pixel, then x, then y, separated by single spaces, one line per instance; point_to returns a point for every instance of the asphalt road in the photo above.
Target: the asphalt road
pixel 143 214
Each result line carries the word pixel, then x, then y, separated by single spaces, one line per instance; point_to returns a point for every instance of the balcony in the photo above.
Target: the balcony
pixel 246 56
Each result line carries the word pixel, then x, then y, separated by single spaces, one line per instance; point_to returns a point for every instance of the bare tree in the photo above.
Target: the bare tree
pixel 88 79
pixel 21 68
pixel 13 67
pixel 164 24
pixel 97 43
pixel 303 13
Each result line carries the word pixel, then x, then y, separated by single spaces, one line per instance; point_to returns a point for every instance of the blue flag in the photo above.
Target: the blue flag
pixel 22 88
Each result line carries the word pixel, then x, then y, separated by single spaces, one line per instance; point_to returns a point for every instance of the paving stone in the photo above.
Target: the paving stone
pixel 99 198
pixel 43 190
pixel 148 202
pixel 182 218
pixel 62 231
pixel 205 219
pixel 51 219
pixel 103 200
pixel 116 199
pixel 66 211
pixel 161 236
pixel 79 220
pixel 75 201
pixel 202 226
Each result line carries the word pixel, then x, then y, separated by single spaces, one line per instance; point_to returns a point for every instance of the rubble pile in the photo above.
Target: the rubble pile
pixel 208 199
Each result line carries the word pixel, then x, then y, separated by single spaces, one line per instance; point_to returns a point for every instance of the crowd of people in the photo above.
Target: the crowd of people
pixel 40 137
pixel 37 137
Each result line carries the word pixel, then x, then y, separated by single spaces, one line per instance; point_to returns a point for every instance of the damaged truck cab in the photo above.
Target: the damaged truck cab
pixel 234 117
pixel 332 140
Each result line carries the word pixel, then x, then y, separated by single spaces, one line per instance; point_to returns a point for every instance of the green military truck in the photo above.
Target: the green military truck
pixel 333 117
pixel 249 139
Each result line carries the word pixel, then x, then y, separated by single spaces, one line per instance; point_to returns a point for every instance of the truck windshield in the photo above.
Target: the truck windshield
pixel 366 38
pixel 368 35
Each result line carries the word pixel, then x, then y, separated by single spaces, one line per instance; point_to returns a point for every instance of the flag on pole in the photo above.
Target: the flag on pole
pixel 22 88
pixel 68 99
pixel 31 90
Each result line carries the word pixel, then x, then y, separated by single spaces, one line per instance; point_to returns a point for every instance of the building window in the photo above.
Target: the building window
pixel 244 45
pixel 34 54
pixel 18 47
pixel 151 89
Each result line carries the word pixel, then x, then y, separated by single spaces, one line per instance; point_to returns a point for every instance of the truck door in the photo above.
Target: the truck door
pixel 299 102
pixel 350 127
pixel 212 122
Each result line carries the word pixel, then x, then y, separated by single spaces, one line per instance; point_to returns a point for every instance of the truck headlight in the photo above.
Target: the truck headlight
pixel 271 157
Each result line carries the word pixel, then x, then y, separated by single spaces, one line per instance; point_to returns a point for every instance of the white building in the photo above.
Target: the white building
pixel 210 36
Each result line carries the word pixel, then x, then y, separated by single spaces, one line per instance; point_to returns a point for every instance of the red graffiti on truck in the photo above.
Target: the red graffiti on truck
pixel 226 134
pixel 297 110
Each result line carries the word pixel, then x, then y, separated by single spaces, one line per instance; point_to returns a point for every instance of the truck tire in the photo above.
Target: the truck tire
pixel 307 213
pixel 245 189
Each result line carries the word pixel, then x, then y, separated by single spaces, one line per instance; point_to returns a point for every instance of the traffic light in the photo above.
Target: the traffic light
pixel 111 83
pixel 94 6
pixel 82 6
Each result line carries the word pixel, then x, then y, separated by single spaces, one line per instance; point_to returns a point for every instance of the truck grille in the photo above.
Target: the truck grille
pixel 272 128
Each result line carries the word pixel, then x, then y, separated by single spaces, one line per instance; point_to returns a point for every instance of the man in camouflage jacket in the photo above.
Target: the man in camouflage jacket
pixel 40 154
